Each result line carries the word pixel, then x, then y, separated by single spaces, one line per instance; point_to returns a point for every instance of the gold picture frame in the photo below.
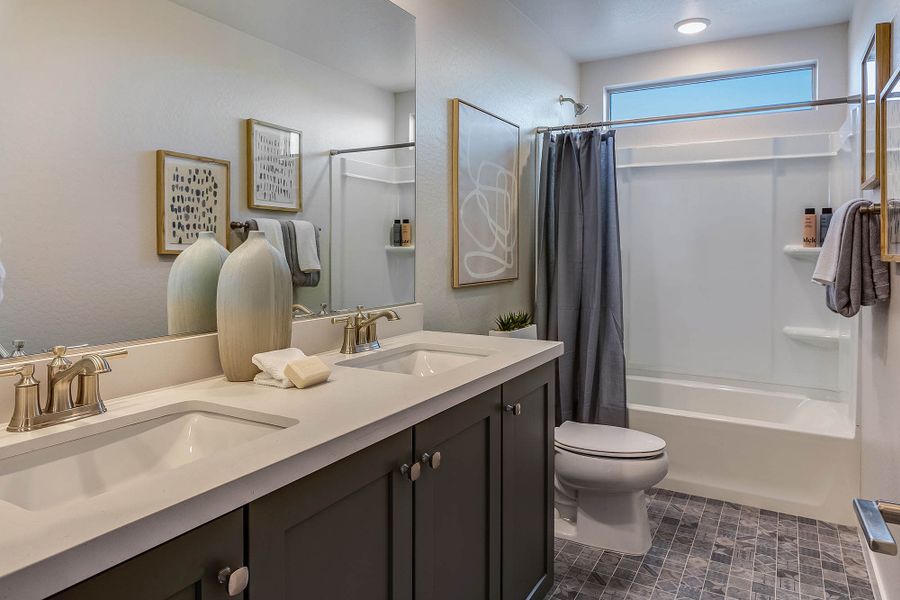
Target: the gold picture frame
pixel 875 70
pixel 193 193
pixel 889 104
pixel 274 167
pixel 487 251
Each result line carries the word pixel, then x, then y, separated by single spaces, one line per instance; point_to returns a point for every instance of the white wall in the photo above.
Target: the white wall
pixel 879 369
pixel 826 45
pixel 92 90
pixel 485 52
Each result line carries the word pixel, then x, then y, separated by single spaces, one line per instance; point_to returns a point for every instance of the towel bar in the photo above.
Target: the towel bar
pixel 245 225
pixel 868 210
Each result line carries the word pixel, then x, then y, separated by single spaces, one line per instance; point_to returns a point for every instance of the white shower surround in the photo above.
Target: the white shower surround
pixel 751 414
pixel 774 450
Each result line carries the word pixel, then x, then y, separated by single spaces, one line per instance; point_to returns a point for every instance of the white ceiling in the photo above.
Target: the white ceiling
pixel 596 29
pixel 373 40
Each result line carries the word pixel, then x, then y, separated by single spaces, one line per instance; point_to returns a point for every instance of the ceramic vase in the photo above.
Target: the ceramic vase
pixel 193 281
pixel 525 333
pixel 253 306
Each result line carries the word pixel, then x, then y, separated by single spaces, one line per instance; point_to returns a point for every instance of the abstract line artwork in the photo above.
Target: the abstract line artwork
pixel 192 196
pixel 485 197
pixel 274 162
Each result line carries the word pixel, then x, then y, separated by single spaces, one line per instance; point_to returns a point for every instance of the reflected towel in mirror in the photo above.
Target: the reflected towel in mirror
pixel 302 252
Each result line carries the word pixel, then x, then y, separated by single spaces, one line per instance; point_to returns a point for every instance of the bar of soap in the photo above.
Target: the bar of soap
pixel 307 371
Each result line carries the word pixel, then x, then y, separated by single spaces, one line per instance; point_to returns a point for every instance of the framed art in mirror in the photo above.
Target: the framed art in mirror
pixel 274 167
pixel 875 70
pixel 485 194
pixel 192 196
pixel 889 103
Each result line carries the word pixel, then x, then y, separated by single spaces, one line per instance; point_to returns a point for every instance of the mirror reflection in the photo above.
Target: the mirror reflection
pixel 146 138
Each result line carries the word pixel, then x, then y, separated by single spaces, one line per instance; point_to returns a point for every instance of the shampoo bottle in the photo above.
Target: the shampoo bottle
pixel 396 233
pixel 406 230
pixel 824 222
pixel 809 228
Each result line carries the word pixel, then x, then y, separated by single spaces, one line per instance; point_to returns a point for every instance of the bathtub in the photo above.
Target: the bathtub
pixel 773 450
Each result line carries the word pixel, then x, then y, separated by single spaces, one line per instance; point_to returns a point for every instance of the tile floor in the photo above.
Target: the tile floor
pixel 712 550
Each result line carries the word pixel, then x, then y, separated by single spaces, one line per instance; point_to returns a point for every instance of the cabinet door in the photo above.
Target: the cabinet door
pixel 528 419
pixel 185 568
pixel 342 533
pixel 457 503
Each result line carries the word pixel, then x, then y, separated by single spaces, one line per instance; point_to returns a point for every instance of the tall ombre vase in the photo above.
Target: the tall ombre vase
pixel 253 306
pixel 193 284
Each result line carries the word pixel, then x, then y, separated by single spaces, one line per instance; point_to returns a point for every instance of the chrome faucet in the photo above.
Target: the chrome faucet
pixel 28 414
pixel 360 332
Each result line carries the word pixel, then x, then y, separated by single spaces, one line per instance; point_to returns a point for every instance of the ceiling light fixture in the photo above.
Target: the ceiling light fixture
pixel 691 26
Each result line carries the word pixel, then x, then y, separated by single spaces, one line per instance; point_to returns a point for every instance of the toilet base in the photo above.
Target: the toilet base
pixel 617 522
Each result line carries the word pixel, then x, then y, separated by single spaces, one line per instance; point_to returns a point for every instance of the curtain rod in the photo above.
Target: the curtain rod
pixel 368 148
pixel 712 113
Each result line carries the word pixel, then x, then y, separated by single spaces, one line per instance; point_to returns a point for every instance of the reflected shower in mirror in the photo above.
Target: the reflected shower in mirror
pixel 137 132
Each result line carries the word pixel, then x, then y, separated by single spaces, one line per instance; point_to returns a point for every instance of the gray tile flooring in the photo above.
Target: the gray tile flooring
pixel 712 550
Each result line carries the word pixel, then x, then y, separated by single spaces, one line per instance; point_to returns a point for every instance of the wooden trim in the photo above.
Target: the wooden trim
pixel 885 191
pixel 880 44
pixel 161 156
pixel 251 173
pixel 454 194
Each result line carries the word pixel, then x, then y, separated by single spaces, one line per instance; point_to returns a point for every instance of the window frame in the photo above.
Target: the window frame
pixel 811 66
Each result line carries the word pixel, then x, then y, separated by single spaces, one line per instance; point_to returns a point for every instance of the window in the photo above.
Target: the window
pixel 714 92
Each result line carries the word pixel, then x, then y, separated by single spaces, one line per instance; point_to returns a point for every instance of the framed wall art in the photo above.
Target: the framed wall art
pixel 192 195
pixel 485 196
pixel 875 70
pixel 274 167
pixel 889 103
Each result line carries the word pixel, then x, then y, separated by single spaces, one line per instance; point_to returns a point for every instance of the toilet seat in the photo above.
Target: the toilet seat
pixel 606 441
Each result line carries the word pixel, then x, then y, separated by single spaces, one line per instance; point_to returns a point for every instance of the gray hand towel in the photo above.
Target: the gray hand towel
pixel 881 273
pixel 298 277
pixel 844 296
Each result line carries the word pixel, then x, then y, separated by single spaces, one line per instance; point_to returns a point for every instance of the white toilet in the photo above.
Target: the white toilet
pixel 601 475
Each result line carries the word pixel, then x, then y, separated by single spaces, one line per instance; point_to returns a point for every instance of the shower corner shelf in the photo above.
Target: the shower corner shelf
pixel 400 249
pixel 802 252
pixel 815 336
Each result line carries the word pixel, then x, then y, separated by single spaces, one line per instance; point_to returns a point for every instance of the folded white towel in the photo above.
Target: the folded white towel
pixel 307 253
pixel 272 365
pixel 826 266
pixel 272 230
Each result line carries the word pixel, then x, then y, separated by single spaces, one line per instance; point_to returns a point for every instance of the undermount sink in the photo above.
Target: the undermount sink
pixel 420 360
pixel 88 466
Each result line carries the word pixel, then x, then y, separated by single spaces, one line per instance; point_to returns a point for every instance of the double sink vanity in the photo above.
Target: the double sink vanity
pixel 422 469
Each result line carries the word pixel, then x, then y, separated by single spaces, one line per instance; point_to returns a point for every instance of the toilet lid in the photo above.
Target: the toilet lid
pixel 608 441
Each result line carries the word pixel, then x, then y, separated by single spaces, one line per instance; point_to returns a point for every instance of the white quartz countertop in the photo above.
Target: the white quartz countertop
pixel 45 551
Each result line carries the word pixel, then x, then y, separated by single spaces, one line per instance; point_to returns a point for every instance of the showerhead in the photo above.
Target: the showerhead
pixel 580 108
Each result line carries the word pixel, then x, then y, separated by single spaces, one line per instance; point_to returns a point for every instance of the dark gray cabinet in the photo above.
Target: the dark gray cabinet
pixel 185 568
pixel 460 506
pixel 457 502
pixel 342 532
pixel 528 420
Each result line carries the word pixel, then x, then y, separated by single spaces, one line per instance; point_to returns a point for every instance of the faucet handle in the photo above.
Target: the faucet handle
pixel 25 371
pixel 28 397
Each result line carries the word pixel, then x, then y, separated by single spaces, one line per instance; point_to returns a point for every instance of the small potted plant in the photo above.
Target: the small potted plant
pixel 515 325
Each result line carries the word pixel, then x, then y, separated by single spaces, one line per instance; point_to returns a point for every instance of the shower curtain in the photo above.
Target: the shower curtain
pixel 578 289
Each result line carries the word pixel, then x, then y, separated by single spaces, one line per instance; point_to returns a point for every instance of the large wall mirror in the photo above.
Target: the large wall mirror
pixel 132 127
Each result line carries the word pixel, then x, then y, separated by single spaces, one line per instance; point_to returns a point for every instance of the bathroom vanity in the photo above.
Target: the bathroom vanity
pixel 385 482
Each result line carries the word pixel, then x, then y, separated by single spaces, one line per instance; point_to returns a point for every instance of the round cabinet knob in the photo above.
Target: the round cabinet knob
pixel 413 471
pixel 515 409
pixel 432 460
pixel 235 580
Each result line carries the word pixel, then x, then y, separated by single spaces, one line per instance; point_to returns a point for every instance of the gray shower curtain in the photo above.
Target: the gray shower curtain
pixel 578 290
